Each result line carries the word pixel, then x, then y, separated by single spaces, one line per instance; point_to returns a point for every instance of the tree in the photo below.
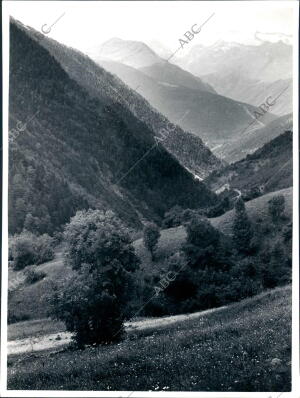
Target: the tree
pixel 276 207
pixel 201 233
pixel 173 217
pixel 276 271
pixel 94 302
pixel 151 237
pixel 242 228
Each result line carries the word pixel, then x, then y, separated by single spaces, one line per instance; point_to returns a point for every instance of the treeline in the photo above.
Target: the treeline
pixel 218 269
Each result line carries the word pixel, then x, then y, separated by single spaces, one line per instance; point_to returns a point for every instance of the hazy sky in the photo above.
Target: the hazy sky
pixel 86 24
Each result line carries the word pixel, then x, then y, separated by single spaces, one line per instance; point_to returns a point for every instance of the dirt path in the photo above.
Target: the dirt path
pixel 57 340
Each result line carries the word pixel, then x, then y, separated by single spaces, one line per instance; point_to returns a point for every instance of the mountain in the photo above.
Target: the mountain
pixel 174 91
pixel 187 148
pixel 160 49
pixel 79 149
pixel 248 73
pixel 172 76
pixel 254 91
pixel 253 138
pixel 139 56
pixel 129 52
pixel 267 61
pixel 268 169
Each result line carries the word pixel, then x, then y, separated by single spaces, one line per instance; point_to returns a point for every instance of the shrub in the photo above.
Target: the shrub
pixel 27 249
pixel 33 276
pixel 150 238
pixel 94 303
pixel 172 217
pixel 276 207
pixel 23 249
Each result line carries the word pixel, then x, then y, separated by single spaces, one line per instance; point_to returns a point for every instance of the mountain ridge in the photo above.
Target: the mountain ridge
pixel 62 162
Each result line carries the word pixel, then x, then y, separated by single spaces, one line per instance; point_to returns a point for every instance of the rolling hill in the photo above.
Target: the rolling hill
pixel 78 149
pixel 269 168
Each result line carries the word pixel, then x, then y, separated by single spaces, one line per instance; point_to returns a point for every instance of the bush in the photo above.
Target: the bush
pixel 23 249
pixel 27 249
pixel 94 303
pixel 34 276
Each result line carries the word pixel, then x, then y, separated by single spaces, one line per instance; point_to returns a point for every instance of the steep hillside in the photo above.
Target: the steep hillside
pixel 254 138
pixel 187 148
pixel 138 55
pixel 269 168
pixel 174 91
pixel 172 75
pixel 77 149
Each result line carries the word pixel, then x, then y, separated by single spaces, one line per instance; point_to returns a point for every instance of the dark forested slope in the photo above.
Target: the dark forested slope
pixel 74 150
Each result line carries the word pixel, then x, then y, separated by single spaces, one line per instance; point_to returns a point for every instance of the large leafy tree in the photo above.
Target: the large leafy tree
pixel 94 302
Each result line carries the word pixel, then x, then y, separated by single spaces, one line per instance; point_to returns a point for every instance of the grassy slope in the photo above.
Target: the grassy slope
pixel 32 299
pixel 230 350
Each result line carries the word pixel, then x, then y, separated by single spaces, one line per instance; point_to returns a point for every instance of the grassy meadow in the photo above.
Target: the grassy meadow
pixel 244 347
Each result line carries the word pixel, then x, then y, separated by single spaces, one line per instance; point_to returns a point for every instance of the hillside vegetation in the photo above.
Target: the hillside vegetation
pixel 187 148
pixel 31 301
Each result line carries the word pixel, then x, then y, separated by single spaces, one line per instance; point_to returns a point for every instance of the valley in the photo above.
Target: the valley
pixel 150 214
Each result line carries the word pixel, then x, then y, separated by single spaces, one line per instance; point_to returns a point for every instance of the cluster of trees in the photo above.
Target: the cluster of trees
pixel 178 216
pixel 210 270
pixel 217 269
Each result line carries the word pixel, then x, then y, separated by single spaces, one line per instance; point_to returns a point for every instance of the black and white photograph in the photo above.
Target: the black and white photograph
pixel 150 199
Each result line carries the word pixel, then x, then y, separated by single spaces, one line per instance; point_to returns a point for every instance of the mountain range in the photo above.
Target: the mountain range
pixel 248 73
pixel 174 91
pixel 82 147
